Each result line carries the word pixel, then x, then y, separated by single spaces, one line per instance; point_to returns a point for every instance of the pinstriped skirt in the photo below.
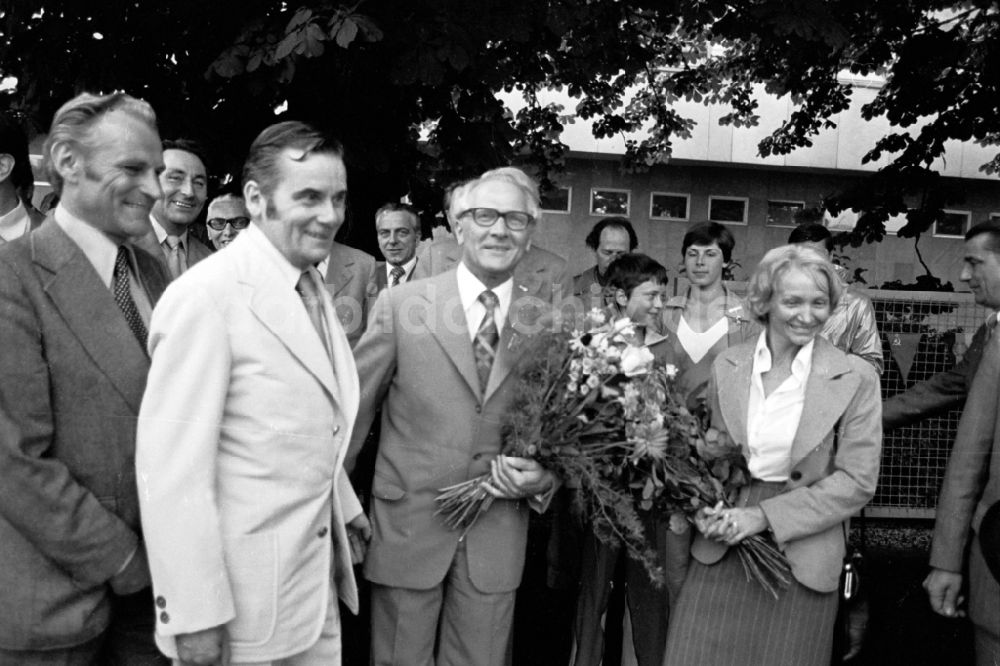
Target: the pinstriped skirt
pixel 723 619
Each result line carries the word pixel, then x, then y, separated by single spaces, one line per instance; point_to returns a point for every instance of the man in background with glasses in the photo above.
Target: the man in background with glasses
pixel 437 357
pixel 227 217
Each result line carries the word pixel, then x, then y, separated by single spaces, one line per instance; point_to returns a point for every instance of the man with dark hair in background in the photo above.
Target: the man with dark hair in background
pixel 17 217
pixel 185 188
pixel 609 239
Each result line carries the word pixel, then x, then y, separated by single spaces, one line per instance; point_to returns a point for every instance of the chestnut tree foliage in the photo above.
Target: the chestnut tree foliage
pixel 410 85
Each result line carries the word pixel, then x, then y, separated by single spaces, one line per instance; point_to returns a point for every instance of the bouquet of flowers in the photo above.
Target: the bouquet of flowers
pixel 699 467
pixel 570 414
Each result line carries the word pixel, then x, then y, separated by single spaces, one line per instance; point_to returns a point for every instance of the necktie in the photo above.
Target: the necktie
pixel 314 306
pixel 485 343
pixel 176 261
pixel 123 297
pixel 396 274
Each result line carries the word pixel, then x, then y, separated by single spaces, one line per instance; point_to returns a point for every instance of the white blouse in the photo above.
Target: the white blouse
pixel 773 420
pixel 696 344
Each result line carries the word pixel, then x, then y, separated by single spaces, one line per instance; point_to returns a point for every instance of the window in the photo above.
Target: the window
pixel 994 217
pixel 668 206
pixel 953 224
pixel 606 201
pixel 729 210
pixel 557 200
pixel 782 213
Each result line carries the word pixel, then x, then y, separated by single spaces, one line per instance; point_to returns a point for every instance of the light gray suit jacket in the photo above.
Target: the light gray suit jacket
pixel 348 276
pixel 835 457
pixel 438 428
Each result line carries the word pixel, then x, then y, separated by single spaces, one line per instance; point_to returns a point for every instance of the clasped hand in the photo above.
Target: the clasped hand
pixel 516 478
pixel 730 525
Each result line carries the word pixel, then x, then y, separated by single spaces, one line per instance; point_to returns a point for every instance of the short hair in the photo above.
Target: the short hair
pixel 188 146
pixel 76 118
pixel 262 160
pixel 394 207
pixel 992 230
pixel 515 177
pixel 14 142
pixel 593 239
pixel 779 261
pixel 630 270
pixel 226 196
pixel 706 233
pixel 812 232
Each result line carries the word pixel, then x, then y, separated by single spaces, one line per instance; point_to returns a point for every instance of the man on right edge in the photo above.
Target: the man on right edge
pixel 438 597
pixel 972 480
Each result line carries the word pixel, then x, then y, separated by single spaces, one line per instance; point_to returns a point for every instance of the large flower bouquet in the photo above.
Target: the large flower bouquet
pixel 570 414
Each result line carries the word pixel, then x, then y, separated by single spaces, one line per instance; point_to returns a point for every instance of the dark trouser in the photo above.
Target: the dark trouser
pixel 128 640
pixel 649 606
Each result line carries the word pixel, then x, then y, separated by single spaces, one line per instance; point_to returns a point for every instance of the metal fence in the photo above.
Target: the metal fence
pixel 923 332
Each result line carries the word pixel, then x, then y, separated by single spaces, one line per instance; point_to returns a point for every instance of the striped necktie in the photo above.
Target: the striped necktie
pixel 485 343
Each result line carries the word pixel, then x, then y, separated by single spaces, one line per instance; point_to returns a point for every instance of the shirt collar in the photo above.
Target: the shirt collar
pixel 801 364
pixel 289 274
pixel 469 288
pixel 407 268
pixel 161 233
pixel 97 246
pixel 15 222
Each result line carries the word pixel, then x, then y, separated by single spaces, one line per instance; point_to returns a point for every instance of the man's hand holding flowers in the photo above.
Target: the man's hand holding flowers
pixel 515 478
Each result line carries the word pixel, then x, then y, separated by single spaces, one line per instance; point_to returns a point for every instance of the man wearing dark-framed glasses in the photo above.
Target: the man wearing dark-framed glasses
pixel 227 217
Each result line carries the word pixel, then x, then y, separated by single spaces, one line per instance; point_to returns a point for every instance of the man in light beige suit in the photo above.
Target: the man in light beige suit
pixel 243 429
pixel 438 357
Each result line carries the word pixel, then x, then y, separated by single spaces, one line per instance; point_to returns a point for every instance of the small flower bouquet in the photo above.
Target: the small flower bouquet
pixel 701 467
pixel 570 413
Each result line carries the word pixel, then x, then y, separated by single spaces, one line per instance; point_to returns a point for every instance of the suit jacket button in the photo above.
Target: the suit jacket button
pixel 478 456
pixel 322 532
pixel 161 602
pixel 479 409
pixel 796 475
pixel 164 618
pixel 336 429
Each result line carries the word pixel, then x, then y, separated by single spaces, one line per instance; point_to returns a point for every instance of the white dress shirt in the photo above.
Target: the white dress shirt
pixel 161 235
pixel 14 223
pixel 469 288
pixel 102 252
pixel 773 420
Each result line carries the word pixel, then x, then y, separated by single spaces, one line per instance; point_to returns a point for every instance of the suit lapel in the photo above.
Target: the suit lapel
pixel 279 309
pixel 339 272
pixel 90 311
pixel 448 325
pixel 734 395
pixel 827 393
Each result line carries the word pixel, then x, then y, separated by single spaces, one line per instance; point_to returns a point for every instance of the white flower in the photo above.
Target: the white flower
pixel 636 360
pixel 671 370
pixel 596 316
pixel 593 382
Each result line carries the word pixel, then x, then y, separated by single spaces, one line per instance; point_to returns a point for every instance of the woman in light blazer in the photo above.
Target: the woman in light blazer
pixel 809 420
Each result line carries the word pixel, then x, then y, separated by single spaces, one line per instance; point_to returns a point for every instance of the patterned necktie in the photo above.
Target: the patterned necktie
pixel 485 344
pixel 314 306
pixel 123 297
pixel 396 274
pixel 176 261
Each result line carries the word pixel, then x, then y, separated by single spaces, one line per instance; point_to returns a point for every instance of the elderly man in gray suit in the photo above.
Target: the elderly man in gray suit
pixel 439 597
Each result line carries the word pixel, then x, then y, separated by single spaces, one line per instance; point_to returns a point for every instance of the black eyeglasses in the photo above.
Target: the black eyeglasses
pixel 487 217
pixel 219 223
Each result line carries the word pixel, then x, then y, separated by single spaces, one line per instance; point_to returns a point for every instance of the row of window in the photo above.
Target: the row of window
pixel 605 201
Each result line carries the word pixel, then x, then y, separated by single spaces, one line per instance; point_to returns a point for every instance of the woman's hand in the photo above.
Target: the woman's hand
pixel 730 526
